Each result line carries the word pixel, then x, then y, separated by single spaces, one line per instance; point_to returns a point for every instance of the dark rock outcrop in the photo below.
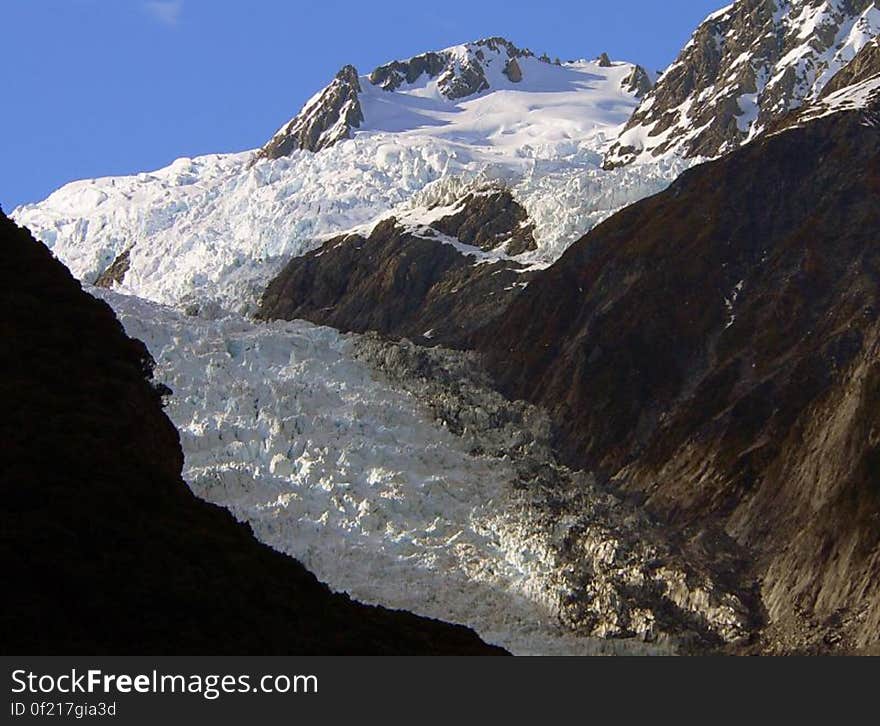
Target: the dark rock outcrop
pixel 104 547
pixel 391 76
pixel 490 220
pixel 115 273
pixel 411 283
pixel 513 71
pixel 394 282
pixel 457 77
pixel 715 350
pixel 326 120
pixel 638 82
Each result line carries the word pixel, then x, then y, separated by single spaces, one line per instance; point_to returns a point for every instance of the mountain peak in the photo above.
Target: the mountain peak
pixel 460 70
pixel 326 118
pixel 746 66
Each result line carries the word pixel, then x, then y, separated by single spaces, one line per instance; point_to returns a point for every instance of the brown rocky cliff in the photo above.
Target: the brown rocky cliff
pixel 410 284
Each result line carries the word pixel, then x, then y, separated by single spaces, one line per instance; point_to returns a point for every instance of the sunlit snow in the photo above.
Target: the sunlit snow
pixel 213 230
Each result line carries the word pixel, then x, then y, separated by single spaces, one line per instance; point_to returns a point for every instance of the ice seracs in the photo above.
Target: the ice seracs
pixel 282 424
pixel 396 474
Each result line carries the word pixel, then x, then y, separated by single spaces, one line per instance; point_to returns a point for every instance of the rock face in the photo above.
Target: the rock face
pixel 864 67
pixel 460 71
pixel 105 548
pixel 115 273
pixel 490 220
pixel 394 282
pixel 414 282
pixel 745 66
pixel 714 349
pixel 513 71
pixel 638 83
pixel 328 118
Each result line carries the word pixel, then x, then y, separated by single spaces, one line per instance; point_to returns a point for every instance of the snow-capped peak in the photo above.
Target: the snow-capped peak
pixel 460 71
pixel 746 66
pixel 441 79
pixel 327 118
pixel 218 228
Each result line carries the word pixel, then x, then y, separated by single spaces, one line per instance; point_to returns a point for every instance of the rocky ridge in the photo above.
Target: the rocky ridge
pixel 460 71
pixel 745 67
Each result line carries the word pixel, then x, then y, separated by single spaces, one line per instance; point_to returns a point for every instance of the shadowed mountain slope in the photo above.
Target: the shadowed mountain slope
pixel 716 350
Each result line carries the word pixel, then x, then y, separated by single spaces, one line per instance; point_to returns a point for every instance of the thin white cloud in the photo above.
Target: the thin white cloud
pixel 166 12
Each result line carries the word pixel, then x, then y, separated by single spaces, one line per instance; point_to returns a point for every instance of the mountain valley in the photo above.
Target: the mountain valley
pixel 581 357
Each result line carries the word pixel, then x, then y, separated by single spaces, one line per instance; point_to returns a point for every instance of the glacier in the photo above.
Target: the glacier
pixel 285 426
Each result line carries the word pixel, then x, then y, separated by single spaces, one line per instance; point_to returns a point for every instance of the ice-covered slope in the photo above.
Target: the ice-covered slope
pixel 862 95
pixel 746 66
pixel 397 475
pixel 213 230
pixel 864 67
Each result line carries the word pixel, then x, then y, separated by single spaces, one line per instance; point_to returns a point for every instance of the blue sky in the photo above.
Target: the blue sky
pixel 99 87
